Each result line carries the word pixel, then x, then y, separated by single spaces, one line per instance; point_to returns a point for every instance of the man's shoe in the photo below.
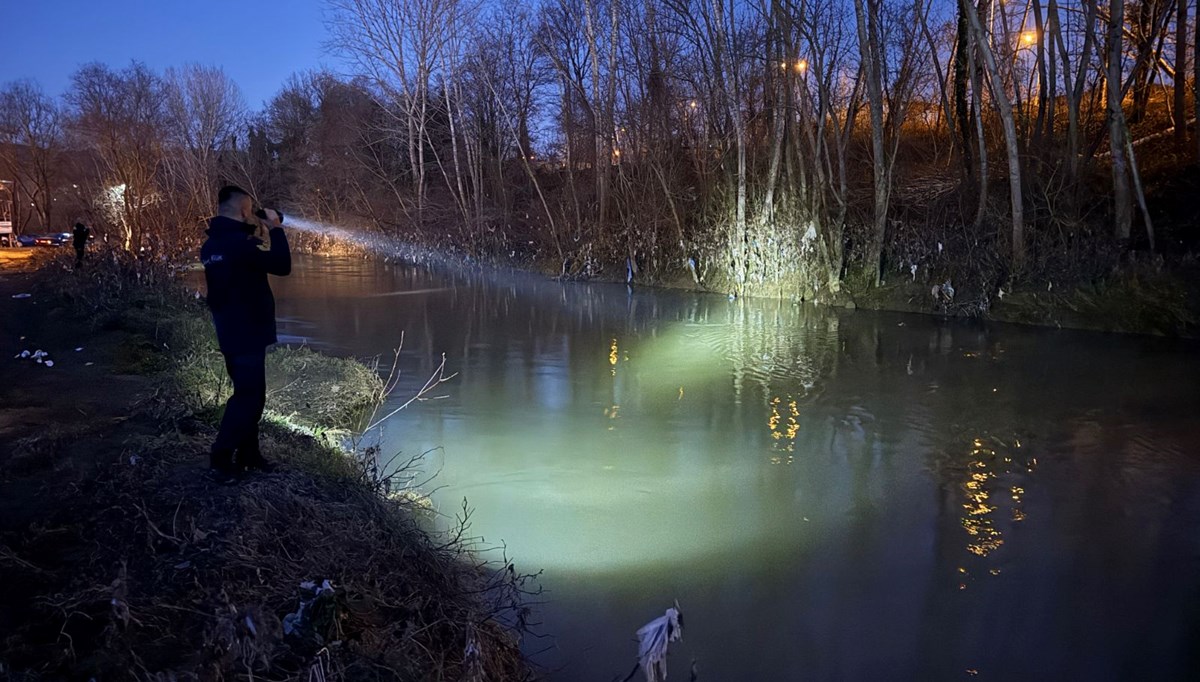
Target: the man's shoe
pixel 225 475
pixel 222 469
pixel 256 463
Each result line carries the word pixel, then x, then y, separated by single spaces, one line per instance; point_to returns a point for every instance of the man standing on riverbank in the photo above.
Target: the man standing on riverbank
pixel 80 234
pixel 243 310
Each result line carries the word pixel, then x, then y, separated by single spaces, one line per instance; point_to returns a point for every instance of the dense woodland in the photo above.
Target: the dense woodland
pixel 778 147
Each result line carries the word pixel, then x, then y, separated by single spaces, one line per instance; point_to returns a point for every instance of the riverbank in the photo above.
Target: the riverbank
pixel 122 558
pixel 1141 296
pixel 1138 298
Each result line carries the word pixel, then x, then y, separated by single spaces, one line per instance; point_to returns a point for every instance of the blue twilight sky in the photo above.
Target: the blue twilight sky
pixel 259 43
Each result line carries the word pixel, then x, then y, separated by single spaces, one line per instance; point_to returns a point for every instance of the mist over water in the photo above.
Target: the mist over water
pixel 388 247
pixel 830 495
pixel 319 228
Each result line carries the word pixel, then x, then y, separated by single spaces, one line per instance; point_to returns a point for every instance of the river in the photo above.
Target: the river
pixel 830 495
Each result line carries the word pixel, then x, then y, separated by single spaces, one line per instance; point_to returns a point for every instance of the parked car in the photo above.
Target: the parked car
pixel 26 239
pixel 52 239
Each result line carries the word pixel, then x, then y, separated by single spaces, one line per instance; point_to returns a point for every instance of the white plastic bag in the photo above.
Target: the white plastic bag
pixel 654 638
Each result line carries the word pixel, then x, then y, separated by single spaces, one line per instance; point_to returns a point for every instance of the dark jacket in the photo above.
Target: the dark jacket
pixel 81 234
pixel 239 295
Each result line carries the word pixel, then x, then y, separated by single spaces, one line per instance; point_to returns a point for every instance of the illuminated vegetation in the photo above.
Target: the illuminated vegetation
pixel 845 151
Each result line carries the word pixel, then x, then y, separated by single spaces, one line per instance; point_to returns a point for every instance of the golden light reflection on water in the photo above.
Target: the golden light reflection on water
pixel 983 498
pixel 984 536
pixel 783 425
pixel 612 412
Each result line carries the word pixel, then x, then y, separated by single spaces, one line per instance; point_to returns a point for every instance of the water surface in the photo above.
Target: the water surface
pixel 830 495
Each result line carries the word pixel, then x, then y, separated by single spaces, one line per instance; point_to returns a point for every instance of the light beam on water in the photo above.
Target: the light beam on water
pixel 838 493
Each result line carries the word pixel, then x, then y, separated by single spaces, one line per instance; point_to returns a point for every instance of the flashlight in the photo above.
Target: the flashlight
pixel 262 214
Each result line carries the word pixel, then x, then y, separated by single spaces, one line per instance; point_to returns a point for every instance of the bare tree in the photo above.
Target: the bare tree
pixel 720 136
pixel 1005 110
pixel 31 138
pixel 118 117
pixel 866 13
pixel 205 112
pixel 1179 80
pixel 1122 201
pixel 400 45
pixel 1147 26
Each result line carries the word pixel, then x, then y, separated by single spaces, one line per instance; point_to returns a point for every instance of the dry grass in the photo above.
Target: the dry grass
pixel 180 577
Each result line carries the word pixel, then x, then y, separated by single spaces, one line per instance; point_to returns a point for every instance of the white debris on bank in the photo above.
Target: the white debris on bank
pixel 943 293
pixel 316 603
pixel 39 356
pixel 654 638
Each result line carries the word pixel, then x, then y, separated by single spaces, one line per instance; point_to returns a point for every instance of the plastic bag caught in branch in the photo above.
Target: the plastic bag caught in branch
pixel 654 638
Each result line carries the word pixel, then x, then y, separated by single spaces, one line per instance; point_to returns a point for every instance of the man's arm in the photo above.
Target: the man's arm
pixel 278 260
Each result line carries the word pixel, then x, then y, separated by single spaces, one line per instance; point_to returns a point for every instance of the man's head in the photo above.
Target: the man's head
pixel 234 202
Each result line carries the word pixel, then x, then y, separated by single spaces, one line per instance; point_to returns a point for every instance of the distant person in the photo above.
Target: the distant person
pixel 81 234
pixel 243 311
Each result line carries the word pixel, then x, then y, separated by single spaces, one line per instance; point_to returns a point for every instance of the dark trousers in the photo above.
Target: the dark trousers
pixel 239 426
pixel 78 256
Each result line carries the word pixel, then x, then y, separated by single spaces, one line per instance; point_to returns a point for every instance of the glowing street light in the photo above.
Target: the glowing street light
pixel 1029 37
pixel 802 65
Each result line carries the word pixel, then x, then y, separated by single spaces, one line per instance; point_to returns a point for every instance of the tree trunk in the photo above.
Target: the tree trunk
pixel 413 143
pixel 1196 80
pixel 980 136
pixel 1010 135
pixel 1137 186
pixel 568 127
pixel 1150 29
pixel 610 104
pixel 726 63
pixel 962 108
pixel 1180 79
pixel 944 96
pixel 1043 78
pixel 1075 86
pixel 1051 68
pixel 779 111
pixel 421 137
pixel 601 161
pixel 1122 202
pixel 740 216
pixel 460 194
pixel 869 49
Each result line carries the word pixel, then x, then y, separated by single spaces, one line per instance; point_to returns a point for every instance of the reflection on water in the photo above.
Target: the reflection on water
pixel 829 495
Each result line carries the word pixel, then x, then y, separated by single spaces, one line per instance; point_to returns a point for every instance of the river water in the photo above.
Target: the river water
pixel 829 495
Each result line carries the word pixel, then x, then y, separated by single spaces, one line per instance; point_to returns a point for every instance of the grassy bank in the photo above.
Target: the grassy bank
pixel 1137 298
pixel 124 560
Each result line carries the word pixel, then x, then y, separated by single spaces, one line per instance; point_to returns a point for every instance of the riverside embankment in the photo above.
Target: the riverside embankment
pixel 121 558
